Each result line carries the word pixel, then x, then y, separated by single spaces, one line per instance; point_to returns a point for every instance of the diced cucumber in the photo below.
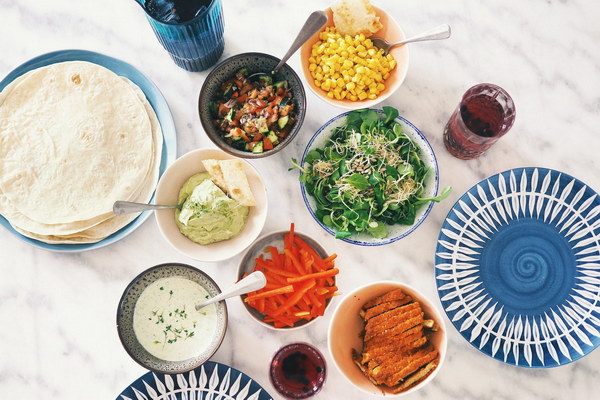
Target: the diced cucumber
pixel 230 114
pixel 261 125
pixel 266 80
pixel 282 122
pixel 231 87
pixel 280 85
pixel 258 148
pixel 213 107
pixel 272 136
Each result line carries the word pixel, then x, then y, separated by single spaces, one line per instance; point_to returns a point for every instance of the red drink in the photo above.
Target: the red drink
pixel 298 371
pixel 485 113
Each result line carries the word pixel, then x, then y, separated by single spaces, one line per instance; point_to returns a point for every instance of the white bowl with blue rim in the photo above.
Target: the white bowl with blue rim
pixel 431 183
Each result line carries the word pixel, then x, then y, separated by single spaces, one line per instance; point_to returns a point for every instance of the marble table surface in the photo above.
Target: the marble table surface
pixel 58 338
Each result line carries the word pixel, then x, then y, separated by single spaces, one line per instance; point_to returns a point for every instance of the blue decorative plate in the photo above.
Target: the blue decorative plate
pixel 156 99
pixel 211 380
pixel 518 267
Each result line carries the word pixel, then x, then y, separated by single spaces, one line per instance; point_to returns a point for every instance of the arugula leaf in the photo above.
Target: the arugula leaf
pixel 312 156
pixel 377 229
pixel 358 181
pixel 445 192
pixel 390 114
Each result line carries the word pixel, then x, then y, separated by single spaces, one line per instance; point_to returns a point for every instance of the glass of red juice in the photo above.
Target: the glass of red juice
pixel 485 113
pixel 298 371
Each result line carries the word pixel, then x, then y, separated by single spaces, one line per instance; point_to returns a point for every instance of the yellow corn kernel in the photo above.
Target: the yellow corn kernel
pixel 317 83
pixel 353 97
pixel 312 67
pixel 381 87
pixel 340 82
pixel 319 76
pixel 371 52
pixel 330 95
pixel 350 85
pixel 392 64
pixel 386 75
pixel 362 54
pixel 372 96
pixel 362 96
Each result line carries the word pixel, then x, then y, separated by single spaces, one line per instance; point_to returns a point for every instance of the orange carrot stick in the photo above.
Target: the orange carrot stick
pixel 268 293
pixel 296 296
pixel 316 275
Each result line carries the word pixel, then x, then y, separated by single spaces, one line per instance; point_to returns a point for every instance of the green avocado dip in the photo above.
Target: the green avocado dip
pixel 207 214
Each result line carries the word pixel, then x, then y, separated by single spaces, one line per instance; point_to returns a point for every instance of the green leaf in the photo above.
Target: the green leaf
pixel 445 193
pixel 391 171
pixel 358 181
pixel 405 169
pixel 390 114
pixel 377 229
pixel 342 234
pixel 312 156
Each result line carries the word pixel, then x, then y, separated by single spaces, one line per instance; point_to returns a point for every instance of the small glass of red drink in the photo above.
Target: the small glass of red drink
pixel 485 113
pixel 298 371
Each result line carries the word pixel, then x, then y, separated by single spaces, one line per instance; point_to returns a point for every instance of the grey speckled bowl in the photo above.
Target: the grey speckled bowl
pixel 127 306
pixel 255 62
pixel 247 266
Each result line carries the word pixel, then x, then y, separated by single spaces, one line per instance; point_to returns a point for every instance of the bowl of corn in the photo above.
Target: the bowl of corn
pixel 350 72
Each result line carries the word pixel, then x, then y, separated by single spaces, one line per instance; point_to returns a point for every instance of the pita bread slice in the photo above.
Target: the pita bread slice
pixel 214 169
pixel 237 182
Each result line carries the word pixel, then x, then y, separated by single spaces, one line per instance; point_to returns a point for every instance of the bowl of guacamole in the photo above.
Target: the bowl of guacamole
pixel 209 225
pixel 207 214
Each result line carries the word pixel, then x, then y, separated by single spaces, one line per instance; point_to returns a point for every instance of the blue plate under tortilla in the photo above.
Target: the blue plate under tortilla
pixel 154 96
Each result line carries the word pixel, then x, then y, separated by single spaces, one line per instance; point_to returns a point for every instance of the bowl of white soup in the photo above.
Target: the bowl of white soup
pixel 158 322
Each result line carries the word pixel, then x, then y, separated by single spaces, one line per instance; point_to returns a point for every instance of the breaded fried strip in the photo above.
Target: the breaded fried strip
pixel 416 377
pixel 383 307
pixel 393 337
pixel 420 359
pixel 407 321
pixel 396 294
pixel 396 312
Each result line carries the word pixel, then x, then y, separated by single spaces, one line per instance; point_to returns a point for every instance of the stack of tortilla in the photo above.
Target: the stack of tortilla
pixel 74 138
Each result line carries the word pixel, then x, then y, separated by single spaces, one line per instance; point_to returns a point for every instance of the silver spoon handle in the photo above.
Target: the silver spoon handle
pixel 126 207
pixel 437 33
pixel 252 282
pixel 315 21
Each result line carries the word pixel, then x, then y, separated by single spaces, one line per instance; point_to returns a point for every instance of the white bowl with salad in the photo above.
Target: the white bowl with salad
pixel 369 177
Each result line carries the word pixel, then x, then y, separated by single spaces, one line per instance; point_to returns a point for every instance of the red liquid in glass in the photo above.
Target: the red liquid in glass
pixel 486 113
pixel 298 371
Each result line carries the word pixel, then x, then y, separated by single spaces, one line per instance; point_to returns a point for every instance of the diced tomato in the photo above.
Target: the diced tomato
pixel 238 83
pixel 234 95
pixel 260 103
pixel 257 137
pixel 267 144
pixel 245 137
pixel 223 109
pixel 241 99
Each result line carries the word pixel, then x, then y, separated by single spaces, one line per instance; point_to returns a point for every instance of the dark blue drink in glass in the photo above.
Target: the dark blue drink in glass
pixel 190 30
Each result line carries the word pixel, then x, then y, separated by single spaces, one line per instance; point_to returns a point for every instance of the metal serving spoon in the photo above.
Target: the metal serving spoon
pixel 437 33
pixel 252 282
pixel 314 22
pixel 126 207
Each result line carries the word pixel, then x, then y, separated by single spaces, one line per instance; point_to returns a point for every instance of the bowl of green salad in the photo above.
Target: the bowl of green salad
pixel 369 177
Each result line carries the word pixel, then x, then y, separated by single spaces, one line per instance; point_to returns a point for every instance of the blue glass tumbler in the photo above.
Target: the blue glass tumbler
pixel 194 45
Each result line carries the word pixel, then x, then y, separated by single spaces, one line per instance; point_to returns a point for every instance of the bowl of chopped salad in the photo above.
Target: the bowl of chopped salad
pixel 251 116
pixel 369 177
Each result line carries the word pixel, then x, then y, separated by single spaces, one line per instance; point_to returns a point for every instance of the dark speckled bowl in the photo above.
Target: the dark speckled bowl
pixel 127 306
pixel 255 62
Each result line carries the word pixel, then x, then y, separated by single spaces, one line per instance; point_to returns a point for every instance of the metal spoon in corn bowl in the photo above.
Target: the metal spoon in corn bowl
pixel 437 33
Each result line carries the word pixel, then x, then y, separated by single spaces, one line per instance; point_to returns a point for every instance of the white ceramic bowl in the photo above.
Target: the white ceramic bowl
pixel 391 32
pixel 167 192
pixel 247 266
pixel 395 232
pixel 346 326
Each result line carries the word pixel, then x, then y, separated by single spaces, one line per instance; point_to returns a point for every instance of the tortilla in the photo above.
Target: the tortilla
pixel 74 137
pixel 100 226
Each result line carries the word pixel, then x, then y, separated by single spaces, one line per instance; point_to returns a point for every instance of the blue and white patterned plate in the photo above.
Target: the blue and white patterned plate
pixel 518 267
pixel 211 380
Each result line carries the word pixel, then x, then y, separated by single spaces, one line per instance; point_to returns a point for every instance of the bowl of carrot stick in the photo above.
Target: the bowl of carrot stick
pixel 300 279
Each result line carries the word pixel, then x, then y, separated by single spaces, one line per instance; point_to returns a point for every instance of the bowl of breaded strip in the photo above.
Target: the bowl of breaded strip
pixel 387 339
